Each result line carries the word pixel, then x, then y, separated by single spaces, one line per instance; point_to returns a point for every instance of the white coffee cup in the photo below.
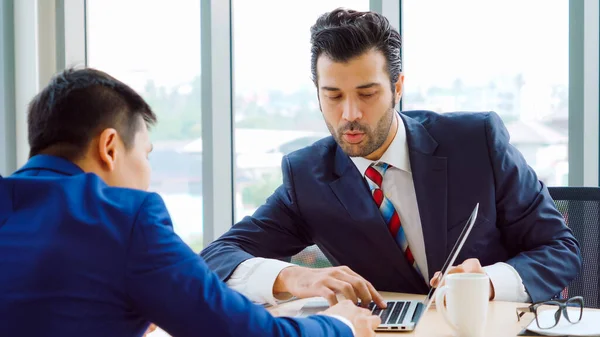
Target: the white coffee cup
pixel 467 298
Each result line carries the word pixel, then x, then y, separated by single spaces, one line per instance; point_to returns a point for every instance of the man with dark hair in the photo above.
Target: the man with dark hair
pixel 86 251
pixel 386 197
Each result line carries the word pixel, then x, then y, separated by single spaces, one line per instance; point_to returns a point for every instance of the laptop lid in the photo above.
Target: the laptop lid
pixel 452 257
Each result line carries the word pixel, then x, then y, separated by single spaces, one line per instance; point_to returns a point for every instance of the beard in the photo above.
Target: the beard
pixel 372 140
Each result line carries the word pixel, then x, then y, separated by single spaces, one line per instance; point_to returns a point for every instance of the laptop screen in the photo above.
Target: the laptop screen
pixel 453 254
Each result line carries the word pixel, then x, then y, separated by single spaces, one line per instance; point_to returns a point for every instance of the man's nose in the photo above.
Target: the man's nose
pixel 351 111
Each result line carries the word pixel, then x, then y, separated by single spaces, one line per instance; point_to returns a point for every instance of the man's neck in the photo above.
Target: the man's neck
pixel 376 155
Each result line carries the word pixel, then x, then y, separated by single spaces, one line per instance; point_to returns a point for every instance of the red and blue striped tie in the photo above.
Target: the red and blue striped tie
pixel 374 177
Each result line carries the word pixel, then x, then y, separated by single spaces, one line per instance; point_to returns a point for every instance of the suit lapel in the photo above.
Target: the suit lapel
pixel 353 193
pixel 430 180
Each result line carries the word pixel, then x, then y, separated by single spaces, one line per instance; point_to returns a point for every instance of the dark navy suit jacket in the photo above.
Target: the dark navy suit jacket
pixel 457 160
pixel 79 258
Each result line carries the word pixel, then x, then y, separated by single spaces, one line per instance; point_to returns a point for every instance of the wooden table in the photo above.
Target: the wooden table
pixel 501 321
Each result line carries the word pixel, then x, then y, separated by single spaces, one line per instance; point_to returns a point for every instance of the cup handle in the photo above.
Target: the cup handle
pixel 440 294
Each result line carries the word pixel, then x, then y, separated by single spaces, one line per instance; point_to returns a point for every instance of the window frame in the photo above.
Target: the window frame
pixel 8 161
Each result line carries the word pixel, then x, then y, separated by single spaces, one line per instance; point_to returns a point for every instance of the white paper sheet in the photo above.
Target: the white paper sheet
pixel 588 326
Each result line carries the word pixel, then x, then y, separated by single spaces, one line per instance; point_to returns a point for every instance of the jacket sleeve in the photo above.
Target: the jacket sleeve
pixel 543 249
pixel 276 230
pixel 171 286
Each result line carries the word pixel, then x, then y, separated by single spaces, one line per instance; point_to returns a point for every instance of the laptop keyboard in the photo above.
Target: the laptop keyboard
pixel 393 314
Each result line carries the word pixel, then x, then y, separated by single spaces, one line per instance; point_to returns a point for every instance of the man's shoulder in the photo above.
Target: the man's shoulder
pixel 460 118
pixel 467 124
pixel 82 198
pixel 128 202
pixel 84 192
pixel 323 148
pixel 129 197
pixel 312 161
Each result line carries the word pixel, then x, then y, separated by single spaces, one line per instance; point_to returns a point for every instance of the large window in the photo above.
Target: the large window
pixel 275 108
pixel 509 56
pixel 154 46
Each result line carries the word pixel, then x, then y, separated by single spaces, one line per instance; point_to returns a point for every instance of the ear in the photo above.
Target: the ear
pixel 399 86
pixel 108 142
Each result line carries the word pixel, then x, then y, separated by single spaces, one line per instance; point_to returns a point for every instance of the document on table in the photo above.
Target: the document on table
pixel 588 326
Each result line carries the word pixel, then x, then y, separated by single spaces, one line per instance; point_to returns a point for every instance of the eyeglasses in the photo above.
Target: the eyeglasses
pixel 550 311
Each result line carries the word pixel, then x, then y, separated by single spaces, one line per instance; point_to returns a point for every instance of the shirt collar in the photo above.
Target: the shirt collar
pixel 395 155
pixel 51 163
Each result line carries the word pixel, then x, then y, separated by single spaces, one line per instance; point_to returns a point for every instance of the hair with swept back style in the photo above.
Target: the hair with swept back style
pixel 344 34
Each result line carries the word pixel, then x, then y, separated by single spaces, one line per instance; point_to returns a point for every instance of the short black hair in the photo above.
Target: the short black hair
pixel 78 104
pixel 343 34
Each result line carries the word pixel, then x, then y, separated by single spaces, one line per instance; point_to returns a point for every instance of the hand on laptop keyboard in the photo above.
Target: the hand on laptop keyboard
pixel 328 283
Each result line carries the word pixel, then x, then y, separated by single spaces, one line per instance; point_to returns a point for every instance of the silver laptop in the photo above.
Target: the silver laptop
pixel 405 315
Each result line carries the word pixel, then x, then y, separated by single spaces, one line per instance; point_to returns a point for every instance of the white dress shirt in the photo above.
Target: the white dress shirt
pixel 255 277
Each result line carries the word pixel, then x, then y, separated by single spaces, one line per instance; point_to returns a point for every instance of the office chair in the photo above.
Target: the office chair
pixel 580 206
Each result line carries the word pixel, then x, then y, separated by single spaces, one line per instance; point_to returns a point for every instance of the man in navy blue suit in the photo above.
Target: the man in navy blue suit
pixel 387 195
pixel 87 252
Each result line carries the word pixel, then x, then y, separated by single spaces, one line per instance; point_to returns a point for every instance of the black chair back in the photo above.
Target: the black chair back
pixel 580 206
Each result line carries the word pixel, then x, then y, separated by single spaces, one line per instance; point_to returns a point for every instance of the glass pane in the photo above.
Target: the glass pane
pixel 276 109
pixel 509 56
pixel 154 46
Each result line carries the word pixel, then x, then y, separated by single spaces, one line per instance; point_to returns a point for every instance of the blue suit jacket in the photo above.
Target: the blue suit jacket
pixel 79 258
pixel 457 160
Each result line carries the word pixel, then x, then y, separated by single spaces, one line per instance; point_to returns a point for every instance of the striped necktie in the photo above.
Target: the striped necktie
pixel 374 177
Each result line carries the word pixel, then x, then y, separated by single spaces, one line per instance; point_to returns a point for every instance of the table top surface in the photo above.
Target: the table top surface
pixel 501 320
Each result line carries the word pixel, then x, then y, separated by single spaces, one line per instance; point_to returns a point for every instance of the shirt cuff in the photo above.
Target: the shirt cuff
pixel 345 321
pixel 508 285
pixel 255 277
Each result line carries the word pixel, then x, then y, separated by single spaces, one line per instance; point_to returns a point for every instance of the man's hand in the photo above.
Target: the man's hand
pixel 469 266
pixel 327 282
pixel 363 321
